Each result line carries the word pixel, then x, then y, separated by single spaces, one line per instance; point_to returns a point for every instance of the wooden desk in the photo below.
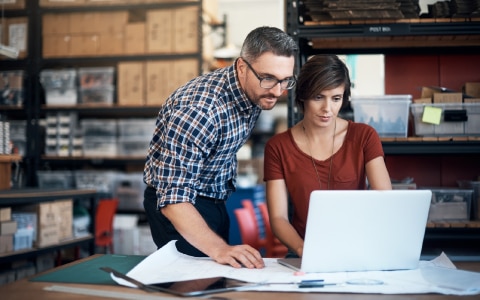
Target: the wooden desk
pixel 27 290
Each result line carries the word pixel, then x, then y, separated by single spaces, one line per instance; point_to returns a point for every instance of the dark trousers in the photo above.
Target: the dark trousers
pixel 213 212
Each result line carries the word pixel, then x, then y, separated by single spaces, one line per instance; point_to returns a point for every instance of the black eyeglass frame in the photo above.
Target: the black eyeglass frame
pixel 290 82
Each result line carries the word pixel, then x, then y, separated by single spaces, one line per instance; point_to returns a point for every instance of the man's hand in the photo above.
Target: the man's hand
pixel 239 256
pixel 190 224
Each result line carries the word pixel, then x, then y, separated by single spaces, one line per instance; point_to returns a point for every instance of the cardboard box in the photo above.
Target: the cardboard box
pixel 55 24
pixel 6 243
pixel 159 31
pixel 472 89
pixel 48 231
pixel 12 4
pixel 163 77
pixel 54 221
pixel 184 71
pixel 84 45
pixel 427 92
pixel 56 45
pixel 8 227
pixel 134 42
pixel 65 218
pixel 53 3
pixel 186 30
pixel 423 100
pixel 5 214
pixel 107 2
pixel 159 83
pixel 112 22
pixel 111 44
pixel 131 83
pixel 84 22
pixel 447 98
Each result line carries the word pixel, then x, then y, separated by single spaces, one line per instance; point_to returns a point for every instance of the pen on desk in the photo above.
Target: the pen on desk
pixel 312 280
pixel 316 285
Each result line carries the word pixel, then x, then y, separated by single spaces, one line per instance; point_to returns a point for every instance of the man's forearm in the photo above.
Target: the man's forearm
pixel 191 225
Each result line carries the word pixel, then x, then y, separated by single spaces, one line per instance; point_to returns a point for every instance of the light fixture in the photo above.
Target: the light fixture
pixel 8 51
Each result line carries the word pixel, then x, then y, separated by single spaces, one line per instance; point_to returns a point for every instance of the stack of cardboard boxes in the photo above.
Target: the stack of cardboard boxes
pixel 111 33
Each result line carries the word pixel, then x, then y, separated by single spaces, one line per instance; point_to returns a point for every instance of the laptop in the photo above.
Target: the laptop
pixel 364 230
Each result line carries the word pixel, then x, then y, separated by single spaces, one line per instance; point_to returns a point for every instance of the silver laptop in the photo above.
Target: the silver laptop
pixel 363 231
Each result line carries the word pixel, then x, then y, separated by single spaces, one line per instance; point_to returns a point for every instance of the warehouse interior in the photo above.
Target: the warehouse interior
pixel 82 82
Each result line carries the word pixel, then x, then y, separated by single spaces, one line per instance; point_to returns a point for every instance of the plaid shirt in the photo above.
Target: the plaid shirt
pixel 198 132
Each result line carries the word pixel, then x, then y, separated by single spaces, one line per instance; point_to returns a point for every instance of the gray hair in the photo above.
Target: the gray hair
pixel 267 39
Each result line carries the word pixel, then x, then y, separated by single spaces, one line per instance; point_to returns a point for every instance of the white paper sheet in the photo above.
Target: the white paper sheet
pixel 435 276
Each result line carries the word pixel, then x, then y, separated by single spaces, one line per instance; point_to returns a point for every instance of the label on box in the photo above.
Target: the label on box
pixel 17 36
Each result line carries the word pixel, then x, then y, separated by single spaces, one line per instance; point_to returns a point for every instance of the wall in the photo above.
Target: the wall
pixel 406 74
pixel 245 15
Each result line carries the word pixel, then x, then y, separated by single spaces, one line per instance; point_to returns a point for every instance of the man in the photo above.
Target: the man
pixel 191 165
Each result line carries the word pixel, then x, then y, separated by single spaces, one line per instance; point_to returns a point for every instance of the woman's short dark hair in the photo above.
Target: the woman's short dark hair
pixel 319 73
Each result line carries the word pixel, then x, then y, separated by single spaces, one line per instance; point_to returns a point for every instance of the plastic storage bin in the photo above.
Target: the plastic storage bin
pixel 55 179
pixel 11 88
pixel 450 205
pixel 133 146
pixel 102 95
pixel 95 77
pixel 100 146
pixel 136 128
pixel 456 119
pixel 60 86
pixel 129 188
pixel 58 79
pixel 388 114
pixel 475 186
pixel 102 181
pixel 99 128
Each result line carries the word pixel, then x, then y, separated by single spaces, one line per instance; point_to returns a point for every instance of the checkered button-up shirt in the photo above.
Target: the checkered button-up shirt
pixel 198 132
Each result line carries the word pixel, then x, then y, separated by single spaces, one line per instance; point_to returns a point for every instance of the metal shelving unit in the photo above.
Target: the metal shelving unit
pixel 416 36
pixel 431 147
pixel 34 63
pixel 17 198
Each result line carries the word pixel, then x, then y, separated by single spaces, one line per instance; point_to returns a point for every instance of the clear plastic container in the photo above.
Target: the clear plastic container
pixel 388 114
pixel 456 119
pixel 95 77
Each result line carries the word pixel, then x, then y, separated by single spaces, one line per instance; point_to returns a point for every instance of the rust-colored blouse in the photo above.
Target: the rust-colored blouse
pixel 284 160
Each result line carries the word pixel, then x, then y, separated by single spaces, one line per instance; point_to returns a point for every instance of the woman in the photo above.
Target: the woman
pixel 321 152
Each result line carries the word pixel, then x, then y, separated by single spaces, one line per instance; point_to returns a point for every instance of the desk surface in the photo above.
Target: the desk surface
pixel 25 289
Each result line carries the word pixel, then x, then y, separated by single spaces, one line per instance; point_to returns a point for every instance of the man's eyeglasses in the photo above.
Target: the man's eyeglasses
pixel 271 82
